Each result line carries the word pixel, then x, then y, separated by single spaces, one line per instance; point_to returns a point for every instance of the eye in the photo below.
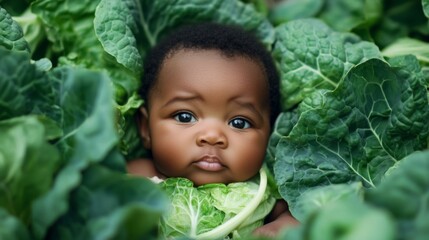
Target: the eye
pixel 184 117
pixel 239 123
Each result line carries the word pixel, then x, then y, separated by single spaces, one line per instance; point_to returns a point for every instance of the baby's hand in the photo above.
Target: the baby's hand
pixel 273 228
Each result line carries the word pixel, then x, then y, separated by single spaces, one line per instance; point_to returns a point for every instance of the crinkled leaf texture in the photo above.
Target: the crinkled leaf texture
pixel 282 127
pixel 192 212
pixel 375 117
pixel 24 89
pixel 197 210
pixel 11 35
pixel 127 29
pixel 312 56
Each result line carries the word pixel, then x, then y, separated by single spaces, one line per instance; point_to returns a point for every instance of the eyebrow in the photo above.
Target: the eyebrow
pixel 249 106
pixel 182 99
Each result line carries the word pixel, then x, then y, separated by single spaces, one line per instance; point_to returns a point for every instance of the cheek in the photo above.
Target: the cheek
pixel 249 156
pixel 163 134
pixel 168 148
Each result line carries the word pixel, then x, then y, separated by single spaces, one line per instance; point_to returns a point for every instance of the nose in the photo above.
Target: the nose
pixel 212 135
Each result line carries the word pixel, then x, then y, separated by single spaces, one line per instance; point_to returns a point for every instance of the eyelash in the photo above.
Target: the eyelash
pixel 176 117
pixel 190 118
pixel 244 121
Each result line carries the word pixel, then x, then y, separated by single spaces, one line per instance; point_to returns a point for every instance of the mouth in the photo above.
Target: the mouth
pixel 210 163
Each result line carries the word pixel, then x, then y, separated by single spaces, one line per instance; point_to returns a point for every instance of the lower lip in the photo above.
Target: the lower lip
pixel 209 166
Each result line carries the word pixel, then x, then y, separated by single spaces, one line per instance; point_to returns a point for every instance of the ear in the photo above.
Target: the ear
pixel 143 124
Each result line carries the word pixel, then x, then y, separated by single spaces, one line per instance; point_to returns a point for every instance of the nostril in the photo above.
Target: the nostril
pixel 202 141
pixel 221 142
pixel 212 139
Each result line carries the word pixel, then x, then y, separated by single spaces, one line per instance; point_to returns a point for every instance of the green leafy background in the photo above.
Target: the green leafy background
pixel 352 137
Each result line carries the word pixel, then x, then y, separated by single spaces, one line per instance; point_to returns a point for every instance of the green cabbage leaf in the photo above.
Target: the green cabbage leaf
pixel 215 211
pixel 11 35
pixel 58 150
pixel 312 56
pixel 374 118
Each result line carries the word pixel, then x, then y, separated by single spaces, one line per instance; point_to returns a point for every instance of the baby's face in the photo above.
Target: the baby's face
pixel 209 117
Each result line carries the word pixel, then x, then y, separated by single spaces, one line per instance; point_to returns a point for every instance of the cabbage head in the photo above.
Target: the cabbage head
pixel 215 210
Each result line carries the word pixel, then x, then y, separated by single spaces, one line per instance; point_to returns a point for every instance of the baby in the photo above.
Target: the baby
pixel 211 96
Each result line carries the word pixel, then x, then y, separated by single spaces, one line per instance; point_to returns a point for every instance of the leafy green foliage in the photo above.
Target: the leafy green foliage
pixel 130 37
pixel 425 4
pixel 353 14
pixel 215 211
pixel 63 120
pixel 369 122
pixel 11 36
pixel 23 150
pixel 406 185
pixel 375 213
pixel 348 218
pixel 22 84
pixel 311 201
pixel 111 206
pixel 12 229
pixel 352 139
pixel 294 9
pixel 400 19
pixel 62 24
pixel 193 212
pixel 312 56
pixel 404 46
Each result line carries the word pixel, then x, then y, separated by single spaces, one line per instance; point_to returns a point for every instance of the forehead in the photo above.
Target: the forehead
pixel 198 66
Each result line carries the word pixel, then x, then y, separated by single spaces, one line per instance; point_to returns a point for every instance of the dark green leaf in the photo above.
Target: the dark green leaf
pixel 353 14
pixel 63 21
pixel 11 36
pixel 11 228
pixel 312 56
pixel 27 165
pixel 317 198
pixel 24 89
pixel 401 19
pixel 89 135
pixel 407 185
pixel 127 29
pixel 111 205
pixel 288 10
pixel 284 124
pixel 375 117
pixel 349 219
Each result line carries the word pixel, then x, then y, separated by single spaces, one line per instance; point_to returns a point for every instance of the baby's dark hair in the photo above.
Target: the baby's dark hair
pixel 228 40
